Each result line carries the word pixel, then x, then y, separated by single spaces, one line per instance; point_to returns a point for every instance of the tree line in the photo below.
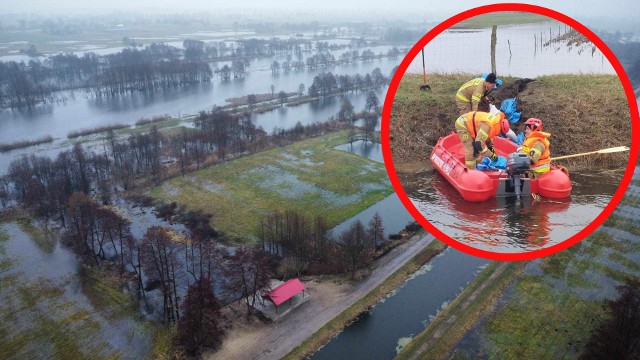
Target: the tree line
pixel 156 66
pixel 307 246
pixel 326 83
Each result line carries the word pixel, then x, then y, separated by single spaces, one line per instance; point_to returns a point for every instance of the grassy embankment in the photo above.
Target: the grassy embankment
pixel 553 314
pixel 549 313
pixel 25 143
pixel 452 322
pixel 350 314
pixel 501 18
pixel 582 112
pixel 309 177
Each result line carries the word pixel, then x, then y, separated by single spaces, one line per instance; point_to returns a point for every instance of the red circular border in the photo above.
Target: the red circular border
pixel 386 148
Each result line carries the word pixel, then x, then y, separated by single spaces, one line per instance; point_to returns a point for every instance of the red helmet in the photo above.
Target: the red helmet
pixel 534 124
pixel 504 124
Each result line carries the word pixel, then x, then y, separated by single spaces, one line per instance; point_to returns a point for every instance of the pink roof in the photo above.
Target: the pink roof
pixel 285 291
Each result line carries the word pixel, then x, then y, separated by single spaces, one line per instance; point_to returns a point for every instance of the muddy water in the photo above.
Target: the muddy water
pixel 507 225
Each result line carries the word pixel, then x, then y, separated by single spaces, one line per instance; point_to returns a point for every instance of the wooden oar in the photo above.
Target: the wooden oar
pixel 603 151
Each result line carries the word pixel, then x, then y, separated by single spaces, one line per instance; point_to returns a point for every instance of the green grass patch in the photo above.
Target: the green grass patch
pixel 162 347
pixel 466 309
pixel 104 290
pixel 538 323
pixel 44 239
pixel 334 326
pixel 309 177
pixel 5 263
pixel 548 319
pixel 630 200
pixel 41 323
pixel 501 18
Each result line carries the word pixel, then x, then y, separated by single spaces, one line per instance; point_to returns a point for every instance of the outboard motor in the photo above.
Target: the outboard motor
pixel 517 164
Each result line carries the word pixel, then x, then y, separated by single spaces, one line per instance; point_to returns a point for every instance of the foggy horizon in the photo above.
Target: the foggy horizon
pixel 410 9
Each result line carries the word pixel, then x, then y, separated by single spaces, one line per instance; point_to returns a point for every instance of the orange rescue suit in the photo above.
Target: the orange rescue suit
pixel 544 159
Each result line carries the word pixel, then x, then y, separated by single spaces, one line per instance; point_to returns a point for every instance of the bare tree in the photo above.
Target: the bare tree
pixel 247 272
pixel 375 231
pixel 354 247
pixel 160 263
pixel 282 96
pixel 619 335
pixel 200 324
pixel 346 112
pixel 252 100
pixel 372 102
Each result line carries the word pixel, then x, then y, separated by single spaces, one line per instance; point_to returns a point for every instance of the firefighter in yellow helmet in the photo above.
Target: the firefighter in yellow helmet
pixel 476 129
pixel 473 91
pixel 536 146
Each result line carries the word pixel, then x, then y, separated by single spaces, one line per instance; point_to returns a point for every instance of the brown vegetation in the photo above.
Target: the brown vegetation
pixel 582 112
pixel 25 143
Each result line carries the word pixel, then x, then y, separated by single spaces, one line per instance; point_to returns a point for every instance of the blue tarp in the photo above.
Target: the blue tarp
pixel 487 164
pixel 520 138
pixel 508 107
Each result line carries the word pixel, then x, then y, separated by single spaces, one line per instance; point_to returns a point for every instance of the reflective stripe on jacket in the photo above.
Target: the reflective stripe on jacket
pixel 473 89
pixel 544 162
pixel 472 124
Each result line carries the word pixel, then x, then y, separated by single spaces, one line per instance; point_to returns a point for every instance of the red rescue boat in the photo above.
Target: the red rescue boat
pixel 476 185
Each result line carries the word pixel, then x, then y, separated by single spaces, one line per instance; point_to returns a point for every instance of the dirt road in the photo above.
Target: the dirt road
pixel 273 341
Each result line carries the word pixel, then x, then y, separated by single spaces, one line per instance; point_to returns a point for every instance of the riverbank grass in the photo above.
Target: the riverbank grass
pixel 552 315
pixel 338 323
pixel 308 176
pixel 458 317
pixel 565 103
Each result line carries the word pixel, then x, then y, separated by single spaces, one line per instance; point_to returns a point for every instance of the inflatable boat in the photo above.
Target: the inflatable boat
pixel 476 185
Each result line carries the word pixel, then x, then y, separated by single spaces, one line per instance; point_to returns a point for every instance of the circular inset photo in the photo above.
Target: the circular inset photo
pixel 510 132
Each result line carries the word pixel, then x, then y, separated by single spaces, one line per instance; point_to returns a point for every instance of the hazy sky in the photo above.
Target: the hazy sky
pixel 574 8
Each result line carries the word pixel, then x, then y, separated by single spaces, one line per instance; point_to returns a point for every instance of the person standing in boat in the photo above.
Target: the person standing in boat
pixel 476 129
pixel 473 92
pixel 536 146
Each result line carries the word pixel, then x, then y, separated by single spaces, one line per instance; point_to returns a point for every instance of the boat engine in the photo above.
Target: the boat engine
pixel 517 164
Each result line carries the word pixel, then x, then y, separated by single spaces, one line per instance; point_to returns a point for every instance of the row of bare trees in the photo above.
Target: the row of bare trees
pixel 301 241
pixel 45 185
pixel 326 83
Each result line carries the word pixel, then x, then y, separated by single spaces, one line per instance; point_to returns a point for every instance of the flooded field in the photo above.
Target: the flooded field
pixel 46 312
